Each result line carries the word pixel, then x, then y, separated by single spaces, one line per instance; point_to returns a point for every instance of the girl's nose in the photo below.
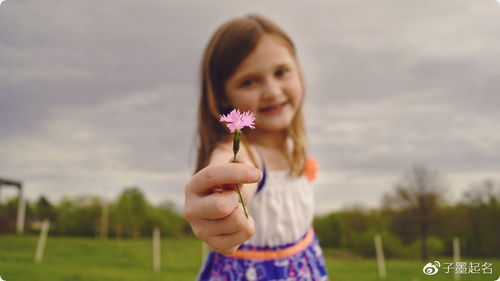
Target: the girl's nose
pixel 271 88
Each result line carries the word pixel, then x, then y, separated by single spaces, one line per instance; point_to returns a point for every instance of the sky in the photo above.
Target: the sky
pixel 98 96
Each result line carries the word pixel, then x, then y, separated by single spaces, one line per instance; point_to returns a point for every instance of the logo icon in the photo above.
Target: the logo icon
pixel 431 268
pixel 1 1
pixel 1 276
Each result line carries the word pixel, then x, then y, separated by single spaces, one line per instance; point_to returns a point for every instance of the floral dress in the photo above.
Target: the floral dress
pixel 284 246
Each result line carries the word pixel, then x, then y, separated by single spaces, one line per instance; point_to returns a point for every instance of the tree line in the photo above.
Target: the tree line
pixel 130 216
pixel 415 219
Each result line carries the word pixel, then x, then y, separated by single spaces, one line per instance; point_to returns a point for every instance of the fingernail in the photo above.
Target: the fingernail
pixel 256 174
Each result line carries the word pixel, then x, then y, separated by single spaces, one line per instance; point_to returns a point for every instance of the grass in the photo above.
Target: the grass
pixel 92 259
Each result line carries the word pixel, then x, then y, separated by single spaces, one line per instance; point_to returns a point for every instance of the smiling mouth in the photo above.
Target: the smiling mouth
pixel 273 108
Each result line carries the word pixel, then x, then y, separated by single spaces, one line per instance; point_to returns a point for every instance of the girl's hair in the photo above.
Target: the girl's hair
pixel 228 47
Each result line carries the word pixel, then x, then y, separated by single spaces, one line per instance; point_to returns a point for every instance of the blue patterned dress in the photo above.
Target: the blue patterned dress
pixel 284 246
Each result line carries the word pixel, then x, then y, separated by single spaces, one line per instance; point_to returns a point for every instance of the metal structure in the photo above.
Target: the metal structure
pixel 21 205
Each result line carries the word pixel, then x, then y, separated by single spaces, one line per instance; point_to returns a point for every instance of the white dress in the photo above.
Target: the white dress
pixel 284 246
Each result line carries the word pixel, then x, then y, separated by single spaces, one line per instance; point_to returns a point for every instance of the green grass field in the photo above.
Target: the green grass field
pixel 74 259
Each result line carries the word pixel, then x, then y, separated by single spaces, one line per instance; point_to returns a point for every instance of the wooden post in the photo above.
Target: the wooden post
pixel 41 241
pixel 21 204
pixel 380 256
pixel 156 250
pixel 456 256
pixel 21 212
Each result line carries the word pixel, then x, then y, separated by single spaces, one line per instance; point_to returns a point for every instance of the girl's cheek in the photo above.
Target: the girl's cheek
pixel 249 100
pixel 250 105
pixel 238 100
pixel 241 103
pixel 297 91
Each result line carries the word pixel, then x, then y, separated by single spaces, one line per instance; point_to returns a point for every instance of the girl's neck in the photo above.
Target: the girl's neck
pixel 268 139
pixel 272 147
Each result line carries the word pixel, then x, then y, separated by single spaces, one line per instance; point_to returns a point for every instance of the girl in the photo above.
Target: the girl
pixel 251 64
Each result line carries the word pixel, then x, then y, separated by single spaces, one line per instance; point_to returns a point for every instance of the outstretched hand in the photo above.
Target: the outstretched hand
pixel 212 206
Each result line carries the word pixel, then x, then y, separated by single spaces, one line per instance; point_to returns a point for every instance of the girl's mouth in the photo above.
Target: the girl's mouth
pixel 273 109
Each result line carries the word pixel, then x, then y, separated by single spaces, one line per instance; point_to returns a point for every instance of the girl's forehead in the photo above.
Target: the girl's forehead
pixel 271 51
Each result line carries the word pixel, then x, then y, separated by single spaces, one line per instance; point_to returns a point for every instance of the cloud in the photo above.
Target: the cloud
pixel 110 145
pixel 101 95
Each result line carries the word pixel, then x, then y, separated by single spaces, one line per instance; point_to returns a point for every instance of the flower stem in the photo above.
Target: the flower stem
pixel 236 148
pixel 241 199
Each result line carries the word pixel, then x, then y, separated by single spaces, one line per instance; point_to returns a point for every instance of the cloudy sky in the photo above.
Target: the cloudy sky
pixel 96 96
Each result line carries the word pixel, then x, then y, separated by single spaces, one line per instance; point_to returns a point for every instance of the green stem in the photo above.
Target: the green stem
pixel 236 147
pixel 241 199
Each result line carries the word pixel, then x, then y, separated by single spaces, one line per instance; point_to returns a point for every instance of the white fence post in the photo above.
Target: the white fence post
pixel 41 241
pixel 380 256
pixel 21 213
pixel 456 256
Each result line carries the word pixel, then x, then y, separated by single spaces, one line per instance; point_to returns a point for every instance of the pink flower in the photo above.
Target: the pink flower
pixel 237 120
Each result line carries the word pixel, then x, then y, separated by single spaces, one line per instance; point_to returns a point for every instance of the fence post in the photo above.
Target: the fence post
pixel 380 256
pixel 21 213
pixel 41 241
pixel 456 256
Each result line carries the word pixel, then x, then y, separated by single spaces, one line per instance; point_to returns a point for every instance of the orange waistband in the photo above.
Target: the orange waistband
pixel 275 254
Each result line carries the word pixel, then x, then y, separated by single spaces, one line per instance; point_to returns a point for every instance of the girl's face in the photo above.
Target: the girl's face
pixel 268 83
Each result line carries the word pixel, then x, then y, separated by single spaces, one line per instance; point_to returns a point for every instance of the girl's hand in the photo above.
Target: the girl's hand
pixel 212 206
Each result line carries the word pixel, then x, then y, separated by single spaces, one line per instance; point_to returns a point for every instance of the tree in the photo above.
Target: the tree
pixel 416 199
pixel 43 209
pixel 8 215
pixel 481 202
pixel 77 216
pixel 130 211
pixel 328 230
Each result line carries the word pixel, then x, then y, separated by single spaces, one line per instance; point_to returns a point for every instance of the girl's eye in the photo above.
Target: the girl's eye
pixel 281 72
pixel 248 82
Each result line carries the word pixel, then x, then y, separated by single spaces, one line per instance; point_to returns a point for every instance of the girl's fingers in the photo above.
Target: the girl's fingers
pixel 228 243
pixel 232 223
pixel 214 175
pixel 216 205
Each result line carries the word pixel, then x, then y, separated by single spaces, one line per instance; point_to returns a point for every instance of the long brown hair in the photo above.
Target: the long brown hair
pixel 227 48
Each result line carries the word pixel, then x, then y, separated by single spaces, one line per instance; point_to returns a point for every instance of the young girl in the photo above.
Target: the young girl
pixel 250 64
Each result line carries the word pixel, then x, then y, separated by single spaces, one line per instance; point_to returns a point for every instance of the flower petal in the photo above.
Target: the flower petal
pixel 248 119
pixel 234 116
pixel 224 118
pixel 232 127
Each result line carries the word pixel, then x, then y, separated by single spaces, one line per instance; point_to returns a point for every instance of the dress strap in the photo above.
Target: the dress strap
pixel 264 173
